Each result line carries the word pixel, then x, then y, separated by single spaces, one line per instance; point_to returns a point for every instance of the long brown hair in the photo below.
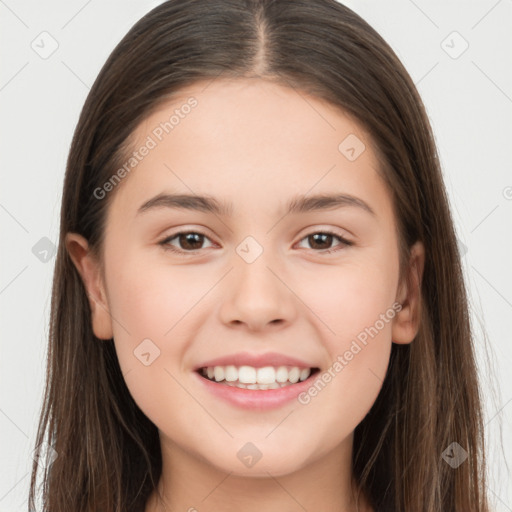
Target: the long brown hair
pixel 108 451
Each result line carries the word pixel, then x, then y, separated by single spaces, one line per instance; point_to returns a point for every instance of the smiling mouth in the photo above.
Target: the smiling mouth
pixel 248 377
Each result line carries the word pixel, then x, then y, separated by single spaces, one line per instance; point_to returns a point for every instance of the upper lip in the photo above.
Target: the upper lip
pixel 255 360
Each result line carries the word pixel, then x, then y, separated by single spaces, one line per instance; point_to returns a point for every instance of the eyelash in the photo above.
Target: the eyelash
pixel 165 243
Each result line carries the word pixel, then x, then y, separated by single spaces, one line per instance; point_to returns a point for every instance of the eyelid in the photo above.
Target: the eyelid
pixel 332 230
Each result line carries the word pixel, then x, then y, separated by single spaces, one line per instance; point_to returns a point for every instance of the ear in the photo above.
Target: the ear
pixel 89 270
pixel 407 321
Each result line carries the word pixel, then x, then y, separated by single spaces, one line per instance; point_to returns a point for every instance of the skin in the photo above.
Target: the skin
pixel 256 144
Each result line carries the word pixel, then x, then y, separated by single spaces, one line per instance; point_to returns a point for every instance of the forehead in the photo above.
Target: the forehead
pixel 249 138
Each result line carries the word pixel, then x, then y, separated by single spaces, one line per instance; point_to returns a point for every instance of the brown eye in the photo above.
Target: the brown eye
pixel 188 241
pixel 322 241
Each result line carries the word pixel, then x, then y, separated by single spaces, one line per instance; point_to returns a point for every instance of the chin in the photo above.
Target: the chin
pixel 257 460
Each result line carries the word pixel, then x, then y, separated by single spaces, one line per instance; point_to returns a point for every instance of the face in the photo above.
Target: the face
pixel 240 279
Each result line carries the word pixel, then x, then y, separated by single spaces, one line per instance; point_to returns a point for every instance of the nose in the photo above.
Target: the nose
pixel 256 296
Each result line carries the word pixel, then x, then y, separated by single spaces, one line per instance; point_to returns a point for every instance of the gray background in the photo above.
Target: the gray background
pixel 468 96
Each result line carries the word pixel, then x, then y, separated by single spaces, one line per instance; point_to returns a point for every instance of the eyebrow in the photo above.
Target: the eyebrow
pixel 297 204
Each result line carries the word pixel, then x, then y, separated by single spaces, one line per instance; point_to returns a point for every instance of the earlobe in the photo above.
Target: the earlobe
pixel 407 321
pixel 89 269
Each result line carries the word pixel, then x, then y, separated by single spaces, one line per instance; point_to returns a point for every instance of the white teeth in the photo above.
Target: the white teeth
pixel 266 375
pixel 219 373
pixel 304 374
pixel 293 375
pixel 282 374
pixel 231 373
pixel 249 377
pixel 246 374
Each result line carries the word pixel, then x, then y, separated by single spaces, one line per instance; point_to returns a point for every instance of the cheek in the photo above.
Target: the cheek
pixel 358 356
pixel 150 314
pixel 351 296
pixel 359 336
pixel 342 395
pixel 149 297
pixel 147 305
pixel 154 306
pixel 354 303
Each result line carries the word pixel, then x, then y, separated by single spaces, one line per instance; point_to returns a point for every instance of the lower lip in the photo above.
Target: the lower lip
pixel 256 399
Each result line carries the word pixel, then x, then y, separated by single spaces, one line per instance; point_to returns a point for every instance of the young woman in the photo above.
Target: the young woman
pixel 258 301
